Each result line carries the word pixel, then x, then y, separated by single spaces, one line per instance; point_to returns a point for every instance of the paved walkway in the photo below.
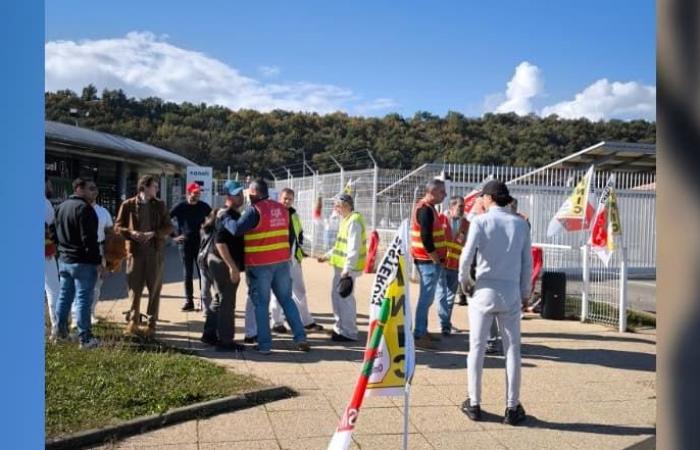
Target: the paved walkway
pixel 584 386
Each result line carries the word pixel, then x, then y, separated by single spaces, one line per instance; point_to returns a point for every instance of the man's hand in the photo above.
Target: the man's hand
pixel 322 259
pixel 148 235
pixel 435 258
pixel 344 274
pixel 235 275
pixel 137 236
pixel 179 239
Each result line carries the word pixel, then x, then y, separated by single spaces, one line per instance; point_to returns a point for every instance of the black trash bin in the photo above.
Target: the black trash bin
pixel 554 295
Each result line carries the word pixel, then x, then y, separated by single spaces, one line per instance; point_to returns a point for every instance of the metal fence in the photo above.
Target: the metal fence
pixel 386 196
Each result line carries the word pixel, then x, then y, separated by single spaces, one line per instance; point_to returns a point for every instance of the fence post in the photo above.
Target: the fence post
pixel 623 290
pixel 585 285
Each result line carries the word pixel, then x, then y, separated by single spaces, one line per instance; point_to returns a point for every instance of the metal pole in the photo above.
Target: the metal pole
pixel 586 282
pixel 273 176
pixel 228 173
pixel 623 290
pixel 342 173
pixel 375 182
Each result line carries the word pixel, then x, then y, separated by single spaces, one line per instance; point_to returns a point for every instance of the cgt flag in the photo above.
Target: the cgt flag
pixel 471 197
pixel 606 224
pixel 576 212
pixel 389 357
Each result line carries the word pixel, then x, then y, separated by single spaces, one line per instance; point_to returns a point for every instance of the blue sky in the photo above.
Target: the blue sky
pixel 366 58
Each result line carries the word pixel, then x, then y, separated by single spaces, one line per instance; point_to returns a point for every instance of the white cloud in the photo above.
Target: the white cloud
pixel 605 100
pixel 145 65
pixel 269 71
pixel 379 104
pixel 521 89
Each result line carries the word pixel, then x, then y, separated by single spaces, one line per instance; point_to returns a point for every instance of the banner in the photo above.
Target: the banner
pixel 471 197
pixel 203 177
pixel 606 223
pixel 389 360
pixel 576 212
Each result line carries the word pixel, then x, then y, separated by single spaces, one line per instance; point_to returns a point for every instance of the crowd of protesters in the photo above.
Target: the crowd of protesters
pixel 484 253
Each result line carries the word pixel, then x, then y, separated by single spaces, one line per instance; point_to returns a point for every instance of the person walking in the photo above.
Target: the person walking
pixel 143 221
pixel 79 261
pixel 265 229
pixel 348 258
pixel 189 215
pixel 502 280
pixel 456 227
pixel 428 249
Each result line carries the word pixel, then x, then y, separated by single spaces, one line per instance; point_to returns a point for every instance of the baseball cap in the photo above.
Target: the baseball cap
pixel 497 189
pixel 193 187
pixel 232 187
pixel 347 198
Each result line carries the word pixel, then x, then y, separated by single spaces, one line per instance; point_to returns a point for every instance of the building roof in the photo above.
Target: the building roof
pixel 69 137
pixel 612 156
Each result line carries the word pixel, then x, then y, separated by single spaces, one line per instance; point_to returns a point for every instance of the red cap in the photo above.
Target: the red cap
pixel 193 187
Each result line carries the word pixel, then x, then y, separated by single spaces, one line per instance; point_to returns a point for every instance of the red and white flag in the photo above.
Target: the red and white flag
pixel 577 210
pixel 471 197
pixel 606 223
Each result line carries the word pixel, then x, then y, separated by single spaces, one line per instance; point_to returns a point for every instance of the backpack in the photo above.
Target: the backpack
pixel 206 246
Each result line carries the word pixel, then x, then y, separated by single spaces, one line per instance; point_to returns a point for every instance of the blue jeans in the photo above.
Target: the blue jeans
pixel 77 283
pixel 429 276
pixel 445 293
pixel 278 279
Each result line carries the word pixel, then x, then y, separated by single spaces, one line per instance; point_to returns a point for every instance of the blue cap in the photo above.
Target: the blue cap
pixel 232 187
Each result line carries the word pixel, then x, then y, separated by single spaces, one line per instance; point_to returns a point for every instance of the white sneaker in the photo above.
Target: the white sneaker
pixel 94 320
pixel 91 343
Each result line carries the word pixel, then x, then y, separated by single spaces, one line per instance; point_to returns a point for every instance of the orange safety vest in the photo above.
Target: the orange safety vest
pixel 454 248
pixel 417 250
pixel 268 242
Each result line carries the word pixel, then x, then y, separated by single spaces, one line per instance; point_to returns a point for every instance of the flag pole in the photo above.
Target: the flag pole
pixel 405 416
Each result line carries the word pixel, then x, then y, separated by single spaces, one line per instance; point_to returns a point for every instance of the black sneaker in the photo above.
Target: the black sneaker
pixel 210 340
pixel 446 332
pixel 250 339
pixel 281 329
pixel 188 306
pixel 314 327
pixel 340 338
pixel 230 347
pixel 462 300
pixel 473 412
pixel 514 416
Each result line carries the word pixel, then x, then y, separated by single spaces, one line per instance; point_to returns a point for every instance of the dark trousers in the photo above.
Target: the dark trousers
pixel 188 254
pixel 220 315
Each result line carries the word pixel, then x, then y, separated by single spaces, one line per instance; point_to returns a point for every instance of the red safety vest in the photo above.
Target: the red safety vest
pixel 417 250
pixel 268 242
pixel 454 248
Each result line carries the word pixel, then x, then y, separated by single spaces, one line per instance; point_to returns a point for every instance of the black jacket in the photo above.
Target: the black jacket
pixel 76 232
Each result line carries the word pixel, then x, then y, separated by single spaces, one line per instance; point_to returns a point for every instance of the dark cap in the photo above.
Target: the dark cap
pixel 347 198
pixel 498 190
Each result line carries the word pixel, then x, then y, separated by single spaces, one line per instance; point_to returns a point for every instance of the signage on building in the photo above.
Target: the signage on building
pixel 203 176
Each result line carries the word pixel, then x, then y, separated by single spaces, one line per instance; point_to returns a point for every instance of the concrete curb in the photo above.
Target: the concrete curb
pixel 140 425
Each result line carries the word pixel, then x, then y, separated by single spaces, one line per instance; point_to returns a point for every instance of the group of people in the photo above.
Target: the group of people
pixel 486 253
pixel 265 241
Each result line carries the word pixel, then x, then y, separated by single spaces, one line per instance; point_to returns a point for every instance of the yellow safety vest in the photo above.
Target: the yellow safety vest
pixel 341 243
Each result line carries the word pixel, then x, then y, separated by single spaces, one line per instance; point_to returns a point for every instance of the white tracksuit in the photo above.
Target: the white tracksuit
pixel 503 271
